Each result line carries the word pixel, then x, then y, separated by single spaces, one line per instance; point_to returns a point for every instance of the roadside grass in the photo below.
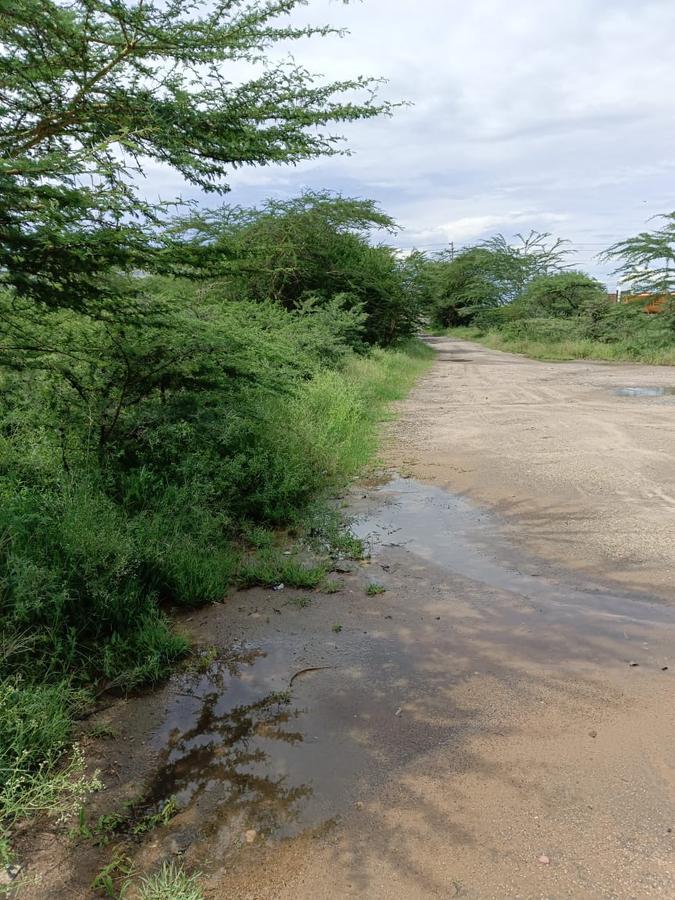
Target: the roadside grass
pixel 71 542
pixel 112 880
pixel 299 602
pixel 271 568
pixel 170 883
pixel 569 348
pixel 130 821
pixel 332 586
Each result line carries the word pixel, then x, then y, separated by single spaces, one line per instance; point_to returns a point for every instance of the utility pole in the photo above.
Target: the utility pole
pixel 452 251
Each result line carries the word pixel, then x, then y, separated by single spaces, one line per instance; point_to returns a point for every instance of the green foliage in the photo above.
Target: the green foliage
pixel 92 92
pixel 647 261
pixel 112 879
pixel 332 586
pixel 271 569
pixel 480 280
pixel 34 724
pixel 52 788
pixel 374 588
pixel 561 295
pixel 129 822
pixel 568 315
pixel 308 254
pixel 170 883
pixel 104 515
pixel 151 426
pixel 601 330
pixel 328 531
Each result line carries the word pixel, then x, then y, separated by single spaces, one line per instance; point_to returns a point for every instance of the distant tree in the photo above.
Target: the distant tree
pixel 514 264
pixel 492 274
pixel 647 261
pixel 313 247
pixel 91 91
pixel 560 295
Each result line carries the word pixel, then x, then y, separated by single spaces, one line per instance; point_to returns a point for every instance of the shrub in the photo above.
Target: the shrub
pixel 560 295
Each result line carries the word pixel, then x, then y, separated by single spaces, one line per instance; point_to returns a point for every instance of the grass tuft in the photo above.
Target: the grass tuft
pixel 170 883
pixel 374 588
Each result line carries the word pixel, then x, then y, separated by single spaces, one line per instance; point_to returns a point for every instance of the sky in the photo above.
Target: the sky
pixel 555 115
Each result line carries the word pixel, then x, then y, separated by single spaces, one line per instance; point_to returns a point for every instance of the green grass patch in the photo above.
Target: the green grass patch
pixel 270 569
pixel 642 347
pixel 299 602
pixel 332 586
pixel 373 589
pixel 170 883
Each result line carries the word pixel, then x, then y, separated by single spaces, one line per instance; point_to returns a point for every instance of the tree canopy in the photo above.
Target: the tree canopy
pixel 492 274
pixel 92 91
pixel 647 261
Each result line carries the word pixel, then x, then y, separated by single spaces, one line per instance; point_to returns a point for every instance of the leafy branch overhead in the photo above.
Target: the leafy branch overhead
pixel 161 82
pixel 647 261
pixel 93 91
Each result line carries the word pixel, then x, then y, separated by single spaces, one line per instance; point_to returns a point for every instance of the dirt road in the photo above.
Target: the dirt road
pixel 485 709
pixel 578 472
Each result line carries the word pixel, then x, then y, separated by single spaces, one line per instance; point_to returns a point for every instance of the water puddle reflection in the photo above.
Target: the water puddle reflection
pixel 279 738
pixel 218 747
pixel 645 391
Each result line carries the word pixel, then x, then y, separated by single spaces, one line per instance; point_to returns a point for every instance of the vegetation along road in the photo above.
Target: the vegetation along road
pixel 213 684
pixel 476 709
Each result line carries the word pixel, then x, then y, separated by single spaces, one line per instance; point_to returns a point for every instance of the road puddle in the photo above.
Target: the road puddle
pixel 645 391
pixel 219 744
pixel 242 751
pixel 280 738
pixel 447 530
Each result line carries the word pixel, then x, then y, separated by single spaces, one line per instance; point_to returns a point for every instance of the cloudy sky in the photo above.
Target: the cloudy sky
pixel 557 115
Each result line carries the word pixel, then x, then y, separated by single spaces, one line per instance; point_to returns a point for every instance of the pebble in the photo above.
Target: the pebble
pixel 9 873
pixel 250 835
pixel 544 860
pixel 179 843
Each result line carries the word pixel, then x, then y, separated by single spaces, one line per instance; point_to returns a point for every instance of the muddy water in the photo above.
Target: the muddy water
pixel 239 746
pixel 246 748
pixel 645 391
pixel 449 531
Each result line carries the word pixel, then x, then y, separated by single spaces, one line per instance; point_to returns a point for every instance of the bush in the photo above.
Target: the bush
pixel 560 295
pixel 35 725
pixel 136 460
pixel 312 249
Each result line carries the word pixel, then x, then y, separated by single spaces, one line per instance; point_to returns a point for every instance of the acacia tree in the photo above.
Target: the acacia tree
pixel 93 90
pixel 492 274
pixel 311 248
pixel 647 261
pixel 515 264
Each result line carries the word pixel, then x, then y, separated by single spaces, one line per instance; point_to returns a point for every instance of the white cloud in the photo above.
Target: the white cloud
pixel 531 113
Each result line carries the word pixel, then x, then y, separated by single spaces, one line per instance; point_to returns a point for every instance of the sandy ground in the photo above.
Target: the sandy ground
pixel 580 474
pixel 498 722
